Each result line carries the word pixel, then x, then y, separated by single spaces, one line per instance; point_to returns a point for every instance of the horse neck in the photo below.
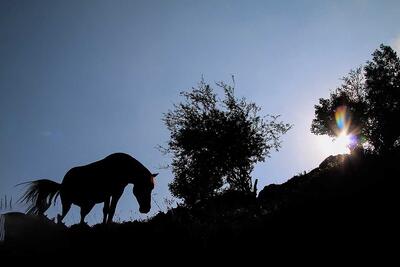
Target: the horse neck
pixel 128 180
pixel 135 180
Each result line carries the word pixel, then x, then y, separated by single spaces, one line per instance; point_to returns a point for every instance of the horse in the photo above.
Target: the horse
pixel 101 181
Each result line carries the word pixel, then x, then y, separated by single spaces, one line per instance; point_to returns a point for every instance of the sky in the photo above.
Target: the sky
pixel 80 80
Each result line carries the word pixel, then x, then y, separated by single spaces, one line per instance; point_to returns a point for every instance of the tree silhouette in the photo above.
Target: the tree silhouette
pixel 216 142
pixel 382 87
pixel 370 98
pixel 351 95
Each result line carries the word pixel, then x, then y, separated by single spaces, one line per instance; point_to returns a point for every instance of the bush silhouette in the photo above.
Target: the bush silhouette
pixel 215 142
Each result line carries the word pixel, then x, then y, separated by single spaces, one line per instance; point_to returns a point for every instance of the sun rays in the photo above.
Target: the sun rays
pixel 345 139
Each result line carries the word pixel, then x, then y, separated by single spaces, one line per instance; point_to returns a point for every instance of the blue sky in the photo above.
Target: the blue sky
pixel 82 79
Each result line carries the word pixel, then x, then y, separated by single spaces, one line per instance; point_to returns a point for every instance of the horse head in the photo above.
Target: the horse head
pixel 142 191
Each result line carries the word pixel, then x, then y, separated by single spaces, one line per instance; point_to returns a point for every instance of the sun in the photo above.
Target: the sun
pixel 344 140
pixel 339 145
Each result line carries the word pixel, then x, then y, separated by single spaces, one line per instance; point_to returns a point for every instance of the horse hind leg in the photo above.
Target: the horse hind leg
pixel 113 205
pixel 106 209
pixel 66 206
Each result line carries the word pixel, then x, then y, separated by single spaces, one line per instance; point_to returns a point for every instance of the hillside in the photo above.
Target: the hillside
pixel 349 200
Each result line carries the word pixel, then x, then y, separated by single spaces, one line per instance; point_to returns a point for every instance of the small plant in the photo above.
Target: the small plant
pixel 169 203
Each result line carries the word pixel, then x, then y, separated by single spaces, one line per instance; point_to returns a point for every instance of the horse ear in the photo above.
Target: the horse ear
pixel 154 174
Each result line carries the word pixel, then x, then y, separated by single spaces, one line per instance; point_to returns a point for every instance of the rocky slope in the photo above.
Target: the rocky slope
pixel 350 200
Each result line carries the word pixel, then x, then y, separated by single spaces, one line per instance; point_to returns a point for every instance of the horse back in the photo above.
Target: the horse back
pixel 103 177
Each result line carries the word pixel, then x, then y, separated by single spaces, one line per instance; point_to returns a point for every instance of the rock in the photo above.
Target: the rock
pixel 30 233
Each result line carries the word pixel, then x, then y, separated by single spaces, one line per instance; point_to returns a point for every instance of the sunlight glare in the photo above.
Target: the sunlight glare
pixel 343 142
pixel 340 145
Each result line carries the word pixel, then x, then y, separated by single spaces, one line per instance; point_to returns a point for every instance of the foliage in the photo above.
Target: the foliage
pixel 382 88
pixel 371 96
pixel 216 142
pixel 350 94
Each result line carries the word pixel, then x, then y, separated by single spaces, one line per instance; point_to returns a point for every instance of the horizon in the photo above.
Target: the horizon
pixel 80 81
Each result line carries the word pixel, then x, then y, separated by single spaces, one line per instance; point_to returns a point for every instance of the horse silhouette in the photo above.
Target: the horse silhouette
pixel 97 182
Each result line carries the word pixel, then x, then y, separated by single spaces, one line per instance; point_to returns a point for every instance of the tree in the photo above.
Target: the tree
pixel 382 88
pixel 349 99
pixel 370 99
pixel 216 142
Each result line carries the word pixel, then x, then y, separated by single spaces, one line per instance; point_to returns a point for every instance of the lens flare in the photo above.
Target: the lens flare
pixel 343 121
pixel 343 143
pixel 342 118
pixel 346 134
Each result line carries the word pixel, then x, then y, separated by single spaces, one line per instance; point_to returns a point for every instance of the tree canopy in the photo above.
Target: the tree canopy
pixel 369 100
pixel 216 142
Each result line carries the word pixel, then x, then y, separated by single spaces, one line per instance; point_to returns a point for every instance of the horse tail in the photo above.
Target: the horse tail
pixel 39 195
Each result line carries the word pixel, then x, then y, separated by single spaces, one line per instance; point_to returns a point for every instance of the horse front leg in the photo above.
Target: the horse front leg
pixel 106 209
pixel 113 205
